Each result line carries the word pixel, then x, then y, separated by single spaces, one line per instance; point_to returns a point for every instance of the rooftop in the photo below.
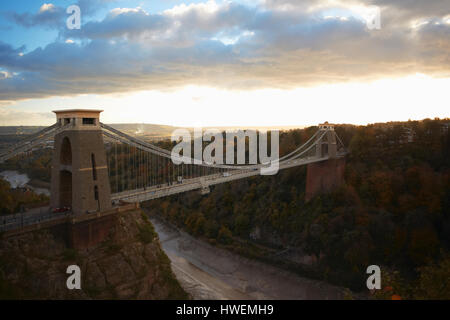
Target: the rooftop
pixel 77 111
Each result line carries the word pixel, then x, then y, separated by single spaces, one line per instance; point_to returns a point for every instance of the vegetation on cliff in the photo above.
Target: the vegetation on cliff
pixel 130 264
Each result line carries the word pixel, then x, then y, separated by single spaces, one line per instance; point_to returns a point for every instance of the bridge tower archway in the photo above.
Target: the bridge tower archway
pixel 66 152
pixel 65 194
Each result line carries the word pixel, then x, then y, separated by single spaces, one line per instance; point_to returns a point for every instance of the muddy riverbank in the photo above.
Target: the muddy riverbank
pixel 208 272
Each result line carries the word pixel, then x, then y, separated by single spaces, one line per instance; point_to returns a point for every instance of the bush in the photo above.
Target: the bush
pixel 434 280
pixel 147 233
pixel 225 236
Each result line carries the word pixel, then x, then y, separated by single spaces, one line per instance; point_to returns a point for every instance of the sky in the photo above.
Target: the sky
pixel 226 63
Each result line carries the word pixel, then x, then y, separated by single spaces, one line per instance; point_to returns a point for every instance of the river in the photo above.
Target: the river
pixel 207 272
pixel 17 180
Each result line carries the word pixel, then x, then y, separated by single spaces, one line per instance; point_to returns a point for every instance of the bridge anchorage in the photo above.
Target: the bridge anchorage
pixel 96 167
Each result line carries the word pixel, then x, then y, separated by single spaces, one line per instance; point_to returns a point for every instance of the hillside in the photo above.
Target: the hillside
pixel 393 211
pixel 129 265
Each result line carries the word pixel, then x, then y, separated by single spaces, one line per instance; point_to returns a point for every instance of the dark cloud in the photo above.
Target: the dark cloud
pixel 49 16
pixel 8 54
pixel 90 7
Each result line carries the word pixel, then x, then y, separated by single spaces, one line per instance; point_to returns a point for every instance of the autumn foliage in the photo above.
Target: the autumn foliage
pixel 393 210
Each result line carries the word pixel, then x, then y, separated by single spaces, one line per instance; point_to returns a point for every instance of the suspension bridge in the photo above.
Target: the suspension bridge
pixel 96 167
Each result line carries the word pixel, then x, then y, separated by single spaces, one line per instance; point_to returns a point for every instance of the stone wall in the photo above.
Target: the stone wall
pixel 87 234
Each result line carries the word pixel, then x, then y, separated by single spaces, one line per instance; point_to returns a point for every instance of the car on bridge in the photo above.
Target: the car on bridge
pixel 61 209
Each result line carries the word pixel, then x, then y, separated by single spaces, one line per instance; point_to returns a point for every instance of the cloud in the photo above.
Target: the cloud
pixel 48 16
pixel 120 23
pixel 410 9
pixel 51 16
pixel 394 13
pixel 275 44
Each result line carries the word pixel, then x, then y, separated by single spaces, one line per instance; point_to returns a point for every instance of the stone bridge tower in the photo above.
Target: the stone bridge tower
pixel 79 169
pixel 324 176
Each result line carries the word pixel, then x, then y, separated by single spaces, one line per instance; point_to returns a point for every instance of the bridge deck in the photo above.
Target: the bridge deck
pixel 139 195
pixel 224 173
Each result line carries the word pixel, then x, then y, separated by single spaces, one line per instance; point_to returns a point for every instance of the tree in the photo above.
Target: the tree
pixel 434 280
pixel 225 236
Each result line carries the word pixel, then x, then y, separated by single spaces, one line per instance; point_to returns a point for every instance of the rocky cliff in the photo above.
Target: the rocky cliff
pixel 129 264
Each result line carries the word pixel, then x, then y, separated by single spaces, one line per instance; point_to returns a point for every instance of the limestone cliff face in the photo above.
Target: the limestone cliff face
pixel 129 264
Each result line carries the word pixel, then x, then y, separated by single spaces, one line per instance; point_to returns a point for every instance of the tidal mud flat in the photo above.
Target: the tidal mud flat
pixel 208 272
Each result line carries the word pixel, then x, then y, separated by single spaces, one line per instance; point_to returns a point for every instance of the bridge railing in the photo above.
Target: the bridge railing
pixel 33 141
pixel 138 168
pixel 21 220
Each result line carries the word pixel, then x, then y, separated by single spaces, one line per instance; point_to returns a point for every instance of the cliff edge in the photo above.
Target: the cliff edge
pixel 129 264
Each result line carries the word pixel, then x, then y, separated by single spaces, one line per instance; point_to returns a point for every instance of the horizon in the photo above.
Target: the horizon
pixel 273 127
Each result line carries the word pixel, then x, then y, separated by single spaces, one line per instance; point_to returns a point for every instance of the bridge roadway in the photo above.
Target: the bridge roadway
pixel 33 216
pixel 30 217
pixel 154 192
pixel 158 191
